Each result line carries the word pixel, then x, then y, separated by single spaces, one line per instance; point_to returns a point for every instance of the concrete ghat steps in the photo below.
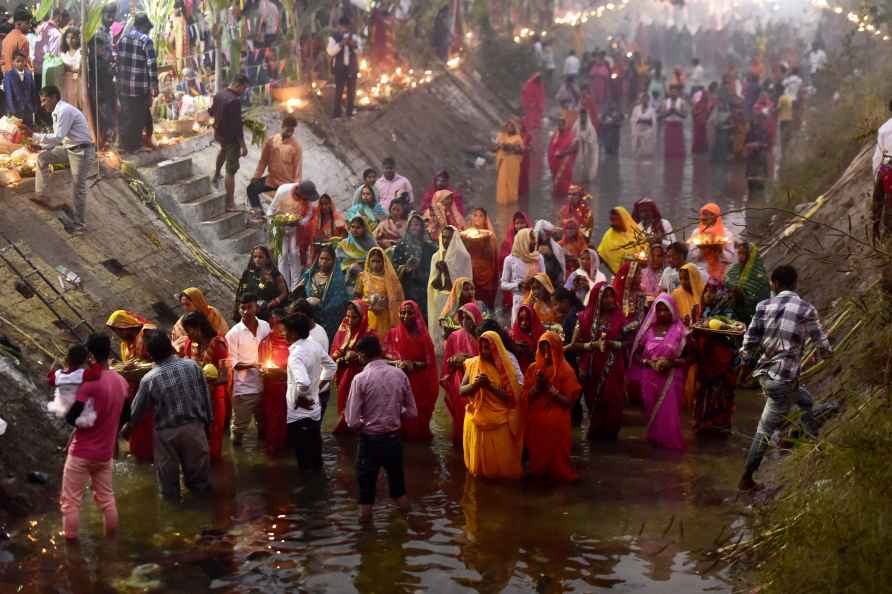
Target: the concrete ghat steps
pixel 188 195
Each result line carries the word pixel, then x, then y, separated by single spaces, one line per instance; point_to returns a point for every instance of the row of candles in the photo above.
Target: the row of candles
pixel 863 21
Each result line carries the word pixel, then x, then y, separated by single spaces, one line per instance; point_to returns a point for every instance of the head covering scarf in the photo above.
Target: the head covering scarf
pixel 491 412
pixel 320 229
pixel 508 242
pixel 122 320
pixel 457 199
pixel 334 296
pixel 391 282
pixel 615 245
pixel 657 223
pixel 351 250
pixel 562 376
pixel 439 215
pixel 571 282
pixel 400 337
pixel 574 246
pixel 718 229
pixel 685 301
pixel 452 304
pixel 544 280
pixel 593 313
pixel 391 230
pixel 210 312
pixel 521 247
pixel 530 338
pixel 675 336
pixel 593 273
pixel 458 261
pixel 344 338
pixel 374 213
pixel 543 226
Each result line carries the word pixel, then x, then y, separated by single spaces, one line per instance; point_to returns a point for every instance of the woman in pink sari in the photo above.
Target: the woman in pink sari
pixel 461 345
pixel 561 159
pixel 659 348
pixel 532 101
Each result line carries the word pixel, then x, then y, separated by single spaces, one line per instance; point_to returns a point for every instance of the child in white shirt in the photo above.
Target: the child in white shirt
pixel 66 383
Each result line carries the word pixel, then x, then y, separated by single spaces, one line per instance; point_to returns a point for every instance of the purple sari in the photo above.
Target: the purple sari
pixel 662 392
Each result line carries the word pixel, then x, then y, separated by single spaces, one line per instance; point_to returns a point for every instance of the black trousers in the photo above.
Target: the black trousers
pixel 376 452
pixel 255 189
pixel 134 118
pixel 305 436
pixel 344 78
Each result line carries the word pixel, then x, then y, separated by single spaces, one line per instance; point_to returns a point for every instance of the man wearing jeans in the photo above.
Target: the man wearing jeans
pixel 307 364
pixel 380 396
pixel 71 141
pixel 90 455
pixel 778 332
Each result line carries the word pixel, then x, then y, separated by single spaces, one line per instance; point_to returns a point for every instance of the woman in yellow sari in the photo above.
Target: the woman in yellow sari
pixel 379 286
pixel 509 156
pixel 495 414
pixel 463 291
pixel 688 299
pixel 620 240
pixel 192 299
pixel 539 298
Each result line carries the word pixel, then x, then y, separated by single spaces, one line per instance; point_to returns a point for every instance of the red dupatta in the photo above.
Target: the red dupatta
pixel 592 312
pixel 530 339
pixel 532 100
pixel 457 198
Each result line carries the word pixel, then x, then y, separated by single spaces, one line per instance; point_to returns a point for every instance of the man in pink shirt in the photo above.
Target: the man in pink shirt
pixel 392 185
pixel 380 396
pixel 92 448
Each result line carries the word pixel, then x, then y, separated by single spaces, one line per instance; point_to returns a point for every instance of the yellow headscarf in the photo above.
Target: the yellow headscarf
pixel 390 283
pixel 451 305
pixel 684 300
pixel 486 410
pixel 123 319
pixel 616 245
pixel 210 312
pixel 521 247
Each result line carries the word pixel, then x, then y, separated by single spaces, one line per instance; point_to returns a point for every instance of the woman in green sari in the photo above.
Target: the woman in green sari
pixel 324 287
pixel 351 251
pixel 747 281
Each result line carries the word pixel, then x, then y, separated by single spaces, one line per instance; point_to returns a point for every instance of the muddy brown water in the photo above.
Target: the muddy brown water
pixel 638 520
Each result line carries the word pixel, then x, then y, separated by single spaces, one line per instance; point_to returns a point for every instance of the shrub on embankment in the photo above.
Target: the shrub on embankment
pixel 829 528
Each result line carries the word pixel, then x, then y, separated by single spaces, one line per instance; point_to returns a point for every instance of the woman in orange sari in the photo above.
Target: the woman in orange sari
pixel 495 415
pixel 460 346
pixel 480 240
pixel 410 347
pixel 206 347
pixel 343 351
pixel 130 327
pixel 327 225
pixel 550 389
pixel 192 299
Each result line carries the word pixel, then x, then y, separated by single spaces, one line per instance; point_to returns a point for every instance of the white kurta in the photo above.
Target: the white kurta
pixel 514 272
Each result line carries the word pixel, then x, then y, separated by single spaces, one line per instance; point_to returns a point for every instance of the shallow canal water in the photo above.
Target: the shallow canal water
pixel 638 520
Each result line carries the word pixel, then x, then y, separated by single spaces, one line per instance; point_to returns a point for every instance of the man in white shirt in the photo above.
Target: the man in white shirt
pixel 884 143
pixel 247 389
pixel 697 77
pixel 307 364
pixel 343 49
pixel 317 334
pixel 392 185
pixel 71 141
pixel 571 64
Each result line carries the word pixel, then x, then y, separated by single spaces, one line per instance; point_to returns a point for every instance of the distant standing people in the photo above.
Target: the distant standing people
pixel 91 451
pixel 392 185
pixel 71 58
pixel 571 64
pixel 137 76
pixel 101 84
pixel 673 113
pixel 343 48
pixel 644 128
pixel 282 155
pixel 777 335
pixel 380 398
pixel 16 40
pixel 178 392
pixel 509 154
pixel 18 90
pixel 229 132
pixel 69 141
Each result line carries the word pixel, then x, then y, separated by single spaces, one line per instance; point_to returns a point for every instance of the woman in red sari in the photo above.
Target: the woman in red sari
pixel 550 389
pixel 273 356
pixel 532 101
pixel 206 347
pixel 525 333
pixel 561 158
pixel 700 112
pixel 441 182
pixel 461 345
pixel 598 339
pixel 327 225
pixel 343 350
pixel 480 240
pixel 411 347
pixel 519 221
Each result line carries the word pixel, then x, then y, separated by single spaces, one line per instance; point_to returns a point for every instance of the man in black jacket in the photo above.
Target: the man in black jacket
pixel 343 48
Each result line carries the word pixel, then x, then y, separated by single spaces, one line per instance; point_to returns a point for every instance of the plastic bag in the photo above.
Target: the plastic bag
pixel 53 71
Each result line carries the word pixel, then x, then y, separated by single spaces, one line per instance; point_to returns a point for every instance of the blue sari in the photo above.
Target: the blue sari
pixel 373 214
pixel 333 297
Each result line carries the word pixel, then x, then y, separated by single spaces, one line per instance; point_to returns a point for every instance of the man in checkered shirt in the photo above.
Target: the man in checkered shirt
pixel 777 335
pixel 137 84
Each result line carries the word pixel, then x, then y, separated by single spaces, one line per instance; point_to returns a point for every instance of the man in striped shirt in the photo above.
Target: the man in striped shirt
pixel 777 335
